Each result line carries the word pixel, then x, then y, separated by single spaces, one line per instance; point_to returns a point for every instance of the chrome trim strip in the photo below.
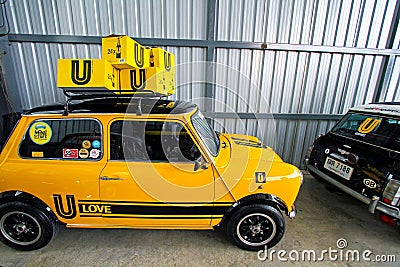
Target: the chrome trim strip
pixel 293 213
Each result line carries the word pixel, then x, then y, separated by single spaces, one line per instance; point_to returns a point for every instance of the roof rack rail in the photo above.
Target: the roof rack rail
pixel 81 94
pixel 76 94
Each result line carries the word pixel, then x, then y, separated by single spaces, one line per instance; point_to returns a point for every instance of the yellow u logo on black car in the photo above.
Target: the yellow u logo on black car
pixel 368 125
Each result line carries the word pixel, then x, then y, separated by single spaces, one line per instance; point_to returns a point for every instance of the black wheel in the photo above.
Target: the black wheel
pixel 25 227
pixel 255 226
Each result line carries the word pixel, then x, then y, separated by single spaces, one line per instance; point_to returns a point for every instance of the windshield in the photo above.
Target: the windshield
pixel 206 133
pixel 373 129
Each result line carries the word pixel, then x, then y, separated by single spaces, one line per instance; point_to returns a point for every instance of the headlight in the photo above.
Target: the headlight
pixel 391 195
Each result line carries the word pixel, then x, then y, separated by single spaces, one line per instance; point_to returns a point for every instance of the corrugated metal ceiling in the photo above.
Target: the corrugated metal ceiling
pixel 285 82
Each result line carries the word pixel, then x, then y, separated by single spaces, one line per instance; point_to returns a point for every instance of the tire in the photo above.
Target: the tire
pixel 255 226
pixel 24 227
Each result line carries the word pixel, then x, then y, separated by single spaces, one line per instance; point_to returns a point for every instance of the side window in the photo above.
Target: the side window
pixel 151 141
pixel 63 139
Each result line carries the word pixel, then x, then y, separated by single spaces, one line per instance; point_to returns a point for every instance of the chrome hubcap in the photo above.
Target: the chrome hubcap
pixel 20 228
pixel 256 229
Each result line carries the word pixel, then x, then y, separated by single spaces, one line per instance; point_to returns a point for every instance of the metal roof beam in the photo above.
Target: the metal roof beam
pixel 277 116
pixel 209 44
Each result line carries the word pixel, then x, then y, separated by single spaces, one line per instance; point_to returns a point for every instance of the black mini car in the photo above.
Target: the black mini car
pixel 361 156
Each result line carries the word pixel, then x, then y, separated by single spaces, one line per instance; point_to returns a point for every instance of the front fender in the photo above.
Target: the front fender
pixel 266 199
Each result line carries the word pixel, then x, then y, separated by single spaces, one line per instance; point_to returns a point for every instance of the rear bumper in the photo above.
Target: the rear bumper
pixel 374 203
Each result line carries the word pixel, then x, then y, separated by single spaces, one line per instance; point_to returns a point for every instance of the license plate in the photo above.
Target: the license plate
pixel 338 168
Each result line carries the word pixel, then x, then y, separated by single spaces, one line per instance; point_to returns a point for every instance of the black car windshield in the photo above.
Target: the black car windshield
pixel 206 133
pixel 373 129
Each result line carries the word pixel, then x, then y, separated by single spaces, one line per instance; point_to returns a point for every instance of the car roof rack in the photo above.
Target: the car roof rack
pixel 82 94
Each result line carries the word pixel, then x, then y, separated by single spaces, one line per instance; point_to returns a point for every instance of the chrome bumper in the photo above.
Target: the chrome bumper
pixel 293 213
pixel 374 203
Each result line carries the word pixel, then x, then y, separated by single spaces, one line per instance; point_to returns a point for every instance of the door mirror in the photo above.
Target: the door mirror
pixel 200 163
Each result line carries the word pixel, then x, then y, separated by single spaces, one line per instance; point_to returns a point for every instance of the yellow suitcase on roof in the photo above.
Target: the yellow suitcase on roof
pixel 123 52
pixel 87 73
pixel 150 79
pixel 162 59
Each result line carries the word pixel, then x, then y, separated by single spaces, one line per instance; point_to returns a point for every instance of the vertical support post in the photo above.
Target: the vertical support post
pixel 386 69
pixel 3 103
pixel 9 100
pixel 210 57
pixel 7 72
pixel 3 111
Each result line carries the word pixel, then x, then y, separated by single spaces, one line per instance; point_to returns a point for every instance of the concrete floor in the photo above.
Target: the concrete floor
pixel 324 217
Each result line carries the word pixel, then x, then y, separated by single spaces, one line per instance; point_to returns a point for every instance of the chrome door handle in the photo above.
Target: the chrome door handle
pixel 105 178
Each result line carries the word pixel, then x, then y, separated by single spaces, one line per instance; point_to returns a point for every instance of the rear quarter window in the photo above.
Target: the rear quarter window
pixel 372 129
pixel 67 139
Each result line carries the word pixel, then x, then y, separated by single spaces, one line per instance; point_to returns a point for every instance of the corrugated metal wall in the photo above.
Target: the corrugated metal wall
pixel 140 18
pixel 36 62
pixel 317 57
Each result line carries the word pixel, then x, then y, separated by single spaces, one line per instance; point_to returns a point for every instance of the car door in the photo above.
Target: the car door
pixel 60 160
pixel 149 179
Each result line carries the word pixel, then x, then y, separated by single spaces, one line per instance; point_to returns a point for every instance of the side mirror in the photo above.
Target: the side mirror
pixel 200 163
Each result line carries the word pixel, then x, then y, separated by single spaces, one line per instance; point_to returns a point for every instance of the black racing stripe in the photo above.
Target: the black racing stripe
pixel 147 217
pixel 157 210
pixel 155 203
pixel 249 144
pixel 167 210
pixel 245 140
pixel 160 218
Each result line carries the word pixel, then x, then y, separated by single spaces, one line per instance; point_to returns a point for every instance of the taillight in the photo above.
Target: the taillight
pixel 387 219
pixel 317 139
pixel 387 201
pixel 391 195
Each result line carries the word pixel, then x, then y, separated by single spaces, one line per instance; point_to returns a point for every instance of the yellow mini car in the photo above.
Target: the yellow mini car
pixel 130 162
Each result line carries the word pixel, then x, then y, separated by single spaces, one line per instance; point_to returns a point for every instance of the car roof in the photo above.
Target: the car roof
pixel 117 105
pixel 386 108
